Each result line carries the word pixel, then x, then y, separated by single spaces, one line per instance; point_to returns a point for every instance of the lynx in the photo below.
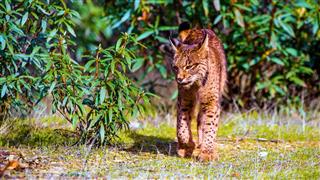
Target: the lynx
pixel 199 65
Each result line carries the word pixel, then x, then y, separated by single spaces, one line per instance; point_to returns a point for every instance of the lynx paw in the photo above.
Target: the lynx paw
pixel 205 157
pixel 186 151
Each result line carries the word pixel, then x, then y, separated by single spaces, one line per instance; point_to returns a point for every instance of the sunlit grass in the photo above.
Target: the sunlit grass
pixel 256 146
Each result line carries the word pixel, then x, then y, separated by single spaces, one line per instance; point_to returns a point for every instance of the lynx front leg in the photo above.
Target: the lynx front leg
pixel 185 142
pixel 199 128
pixel 210 118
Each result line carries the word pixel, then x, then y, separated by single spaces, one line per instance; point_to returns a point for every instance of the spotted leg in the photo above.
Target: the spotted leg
pixel 210 118
pixel 185 141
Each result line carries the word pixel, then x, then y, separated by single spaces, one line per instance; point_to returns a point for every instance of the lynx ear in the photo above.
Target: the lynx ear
pixel 174 44
pixel 184 29
pixel 205 43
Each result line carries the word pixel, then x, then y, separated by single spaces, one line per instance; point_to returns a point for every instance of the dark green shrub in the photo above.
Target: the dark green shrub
pixel 37 50
pixel 28 30
pixel 271 45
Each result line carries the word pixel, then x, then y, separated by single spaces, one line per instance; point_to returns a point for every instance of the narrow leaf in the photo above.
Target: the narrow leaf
pixel 137 65
pixel 145 35
pixel 136 4
pixel 102 94
pixel 239 18
pixel 277 61
pixel 52 87
pixel 4 90
pixel 71 31
pixel 24 18
pixel 102 133
pixel 3 42
pixel 216 4
pixel 205 5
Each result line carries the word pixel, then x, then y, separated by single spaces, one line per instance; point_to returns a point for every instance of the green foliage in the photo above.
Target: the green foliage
pixel 96 97
pixel 27 34
pixel 271 46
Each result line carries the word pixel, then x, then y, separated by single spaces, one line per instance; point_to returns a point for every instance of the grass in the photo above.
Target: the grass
pixel 250 146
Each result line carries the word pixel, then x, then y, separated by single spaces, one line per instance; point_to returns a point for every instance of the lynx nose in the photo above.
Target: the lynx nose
pixel 179 80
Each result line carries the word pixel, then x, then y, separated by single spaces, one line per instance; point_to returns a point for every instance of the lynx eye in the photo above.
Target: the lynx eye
pixel 175 68
pixel 191 66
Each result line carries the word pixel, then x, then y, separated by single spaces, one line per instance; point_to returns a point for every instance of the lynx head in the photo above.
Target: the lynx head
pixel 190 62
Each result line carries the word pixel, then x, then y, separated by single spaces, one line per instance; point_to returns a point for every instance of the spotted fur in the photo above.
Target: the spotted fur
pixel 200 68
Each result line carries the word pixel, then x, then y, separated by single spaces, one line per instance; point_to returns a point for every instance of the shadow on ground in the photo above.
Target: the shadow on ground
pixel 27 134
pixel 152 144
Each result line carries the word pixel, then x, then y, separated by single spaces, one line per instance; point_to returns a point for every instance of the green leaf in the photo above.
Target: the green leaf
pixel 120 104
pixel 240 6
pixel 118 44
pixel 277 61
pixel 52 34
pixel 145 35
pixel 64 102
pixel 262 85
pixel 94 120
pixel 125 17
pixel 112 66
pixel 137 65
pixel 205 5
pixel 43 26
pixel 16 29
pixel 217 19
pixel 4 90
pixel 167 28
pixel 292 51
pixel 102 93
pixel 297 81
pixel 162 39
pixel 3 42
pixel 136 4
pixel 305 70
pixel 74 121
pixel 110 114
pixel 303 3
pixel 52 87
pixel 239 18
pixel 88 64
pixel 315 26
pixel 70 30
pixel 287 28
pixel 8 7
pixel 279 90
pixel 102 133
pixel 60 13
pixel 162 70
pixel 43 11
pixel 24 18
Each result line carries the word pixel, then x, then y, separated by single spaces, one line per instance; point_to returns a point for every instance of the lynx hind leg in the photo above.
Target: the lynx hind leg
pixel 211 115
pixel 185 142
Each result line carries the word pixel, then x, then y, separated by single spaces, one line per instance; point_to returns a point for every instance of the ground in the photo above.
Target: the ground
pixel 251 145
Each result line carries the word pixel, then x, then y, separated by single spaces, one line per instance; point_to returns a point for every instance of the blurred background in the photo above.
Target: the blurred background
pixel 272 46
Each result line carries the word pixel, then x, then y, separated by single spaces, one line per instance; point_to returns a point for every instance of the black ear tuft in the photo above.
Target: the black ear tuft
pixel 184 26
